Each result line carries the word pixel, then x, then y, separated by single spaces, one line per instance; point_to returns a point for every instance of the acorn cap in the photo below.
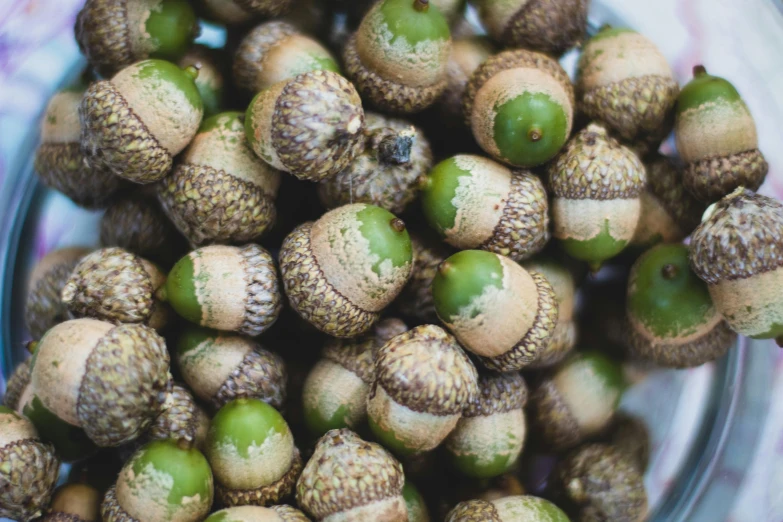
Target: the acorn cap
pixel 74 502
pixel 246 301
pixel 17 384
pixel 258 514
pixel 630 435
pixel 240 11
pixel 414 503
pixel 562 343
pixel 349 476
pixel 181 420
pixel 309 126
pixel 210 81
pixel 415 300
pixel 498 393
pixel 466 55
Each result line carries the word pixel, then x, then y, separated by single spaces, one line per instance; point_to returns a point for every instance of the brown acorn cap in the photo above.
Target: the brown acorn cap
pixel 498 393
pixel 712 178
pixel 466 55
pixel 549 26
pixel 240 11
pixel 111 511
pixel 562 343
pixel 266 495
pixel 74 502
pixel 415 300
pixel 474 511
pixel 353 478
pixel 629 435
pixel 17 384
pixel 180 419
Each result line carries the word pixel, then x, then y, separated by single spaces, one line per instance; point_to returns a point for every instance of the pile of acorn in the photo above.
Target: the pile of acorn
pixel 407 328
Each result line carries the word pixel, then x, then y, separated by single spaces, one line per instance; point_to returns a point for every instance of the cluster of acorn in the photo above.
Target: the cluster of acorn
pixel 346 323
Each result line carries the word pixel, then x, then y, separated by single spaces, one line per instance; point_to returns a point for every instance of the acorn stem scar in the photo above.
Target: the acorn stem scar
pixel 669 271
pixel 421 5
pixel 397 224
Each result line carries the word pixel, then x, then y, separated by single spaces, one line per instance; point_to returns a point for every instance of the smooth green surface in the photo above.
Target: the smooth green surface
pixel 414 503
pixel 6 410
pixel 469 272
pixel 438 193
pixel 230 121
pixel 596 249
pixel 609 32
pixel 389 440
pixel 405 22
pixel 705 88
pixel 211 98
pixel 172 25
pixel 70 442
pixel 473 466
pixel 318 423
pixel 775 331
pixel 162 71
pixel 250 124
pixel 600 366
pixel 516 118
pixel 385 242
pixel 243 423
pixel 188 468
pixel 193 336
pixel 181 291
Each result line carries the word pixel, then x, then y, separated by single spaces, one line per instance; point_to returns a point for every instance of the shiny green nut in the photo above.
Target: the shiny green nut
pixel 415 21
pixel 172 28
pixel 461 279
pixel 705 88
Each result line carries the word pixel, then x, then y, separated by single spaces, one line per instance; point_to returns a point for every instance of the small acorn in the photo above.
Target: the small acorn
pixel 398 56
pixel 309 126
pixel 548 26
pixel 490 435
pixel 17 388
pixel 74 503
pixel 474 202
pixel 604 483
pixel 596 184
pixel 28 468
pixel 737 251
pixel 465 57
pixel 423 382
pixel 629 435
pixel 341 271
pixel 233 289
pixel 415 300
pixel 577 400
pixel 220 367
pixel 281 513
pixel 161 482
pixel 415 504
pixel 252 454
pixel 671 318
pixel 624 81
pixel 181 419
pixel 60 162
pixel 386 173
pixel 717 139
pixel 520 107
pixel 114 33
pixel 44 307
pixel 507 509
pixel 210 81
pixel 497 309
pixel 276 51
pixel 335 391
pixel 234 12
pixel 220 191
pixel 350 479
pixel 136 123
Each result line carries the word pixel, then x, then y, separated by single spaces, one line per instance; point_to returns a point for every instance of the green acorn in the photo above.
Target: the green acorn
pixel 378 57
pixel 252 454
pixel 577 400
pixel 415 504
pixel 220 367
pixel 136 123
pixel 28 468
pixel 465 57
pixel 309 126
pixel 624 81
pixel 234 12
pixel 415 300
pixel 520 107
pixel 114 285
pixel 220 191
pixel 596 183
pixel 474 202
pixel 717 139
pixel 181 419
pixel 233 289
pixel 386 172
pixel 335 391
pixel 60 162
pixel 737 252
pixel 161 482
pixel 508 509
pixel 210 81
pixel 423 382
pixel 490 435
pixel 276 51
pixel 17 390
pixel 258 514
pixel 341 271
pixel 671 318
pixel 495 308
pixel 74 503
pixel 350 479
pixel 114 33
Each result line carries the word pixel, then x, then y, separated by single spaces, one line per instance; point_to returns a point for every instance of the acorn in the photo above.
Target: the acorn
pixel 414 503
pixel 60 162
pixel 17 388
pixel 161 482
pixel 112 384
pixel 423 382
pixel 577 400
pixel 520 107
pixel 220 191
pixel 44 308
pixel 252 454
pixel 624 81
pixel 28 468
pixel 74 503
pixel 350 479
pixel 415 300
pixel 335 391
pixel 630 435
pixel 497 309
pixel 490 435
pixel 717 139
pixel 114 285
pixel 113 34
pixel 210 81
pixel 281 513
pixel 386 173
pixel 233 12
pixel 309 126
pixel 548 26
pixel 737 252
pixel 671 318
pixel 507 509
pixel 234 289
pixel 669 213
pixel 135 123
pixel 596 184
pixel 398 56
pixel 220 367
pixel 474 202
pixel 276 51
pixel 341 271
pixel 604 484
pixel 181 419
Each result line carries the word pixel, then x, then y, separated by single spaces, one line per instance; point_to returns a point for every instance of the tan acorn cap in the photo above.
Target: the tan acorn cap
pixel 17 384
pixel 550 26
pixel 474 511
pixel 498 393
pixel 180 419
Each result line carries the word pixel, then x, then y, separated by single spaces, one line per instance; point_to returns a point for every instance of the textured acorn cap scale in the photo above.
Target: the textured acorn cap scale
pixel 240 11
pixel 507 509
pixel 210 81
pixel 74 503
pixel 281 513
pixel 17 391
pixel 465 57
pixel 181 419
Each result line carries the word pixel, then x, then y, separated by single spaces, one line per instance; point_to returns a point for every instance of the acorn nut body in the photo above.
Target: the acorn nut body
pixel 211 81
pixel 465 57
pixel 280 513
pixel 74 502
pixel 507 509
